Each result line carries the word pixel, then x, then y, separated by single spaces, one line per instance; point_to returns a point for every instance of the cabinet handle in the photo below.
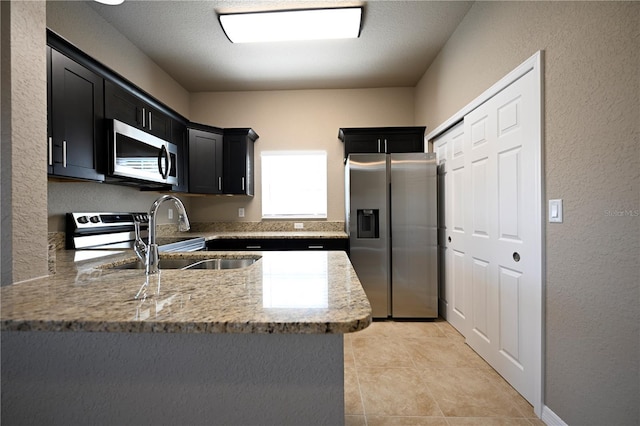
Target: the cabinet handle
pixel 316 247
pixel 378 145
pixel 243 183
pixel 219 183
pixel 64 154
pixel 144 118
pixel 385 145
pixel 50 151
pixel 254 247
pixel 149 120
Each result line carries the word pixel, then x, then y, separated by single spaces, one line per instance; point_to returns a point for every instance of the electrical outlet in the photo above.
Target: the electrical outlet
pixel 298 225
pixel 170 213
pixel 241 212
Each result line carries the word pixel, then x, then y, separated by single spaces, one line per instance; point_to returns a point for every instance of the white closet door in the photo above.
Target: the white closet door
pixel 501 220
pixel 455 294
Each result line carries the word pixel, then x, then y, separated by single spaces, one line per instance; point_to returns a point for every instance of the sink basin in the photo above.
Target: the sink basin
pixel 213 263
pixel 222 263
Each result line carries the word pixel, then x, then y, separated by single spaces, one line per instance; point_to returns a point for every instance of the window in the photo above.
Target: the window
pixel 294 184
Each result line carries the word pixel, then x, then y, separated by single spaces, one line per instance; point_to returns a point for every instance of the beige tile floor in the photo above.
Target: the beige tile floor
pixel 422 373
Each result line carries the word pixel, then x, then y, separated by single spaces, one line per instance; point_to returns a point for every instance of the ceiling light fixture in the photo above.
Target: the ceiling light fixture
pixel 292 25
pixel 110 2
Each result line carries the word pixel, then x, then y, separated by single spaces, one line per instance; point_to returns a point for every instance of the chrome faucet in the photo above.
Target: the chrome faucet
pixel 149 252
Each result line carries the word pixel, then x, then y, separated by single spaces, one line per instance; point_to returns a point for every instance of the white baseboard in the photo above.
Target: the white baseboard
pixel 550 418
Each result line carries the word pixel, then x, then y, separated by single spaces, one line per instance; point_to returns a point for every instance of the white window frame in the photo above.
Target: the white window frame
pixel 296 179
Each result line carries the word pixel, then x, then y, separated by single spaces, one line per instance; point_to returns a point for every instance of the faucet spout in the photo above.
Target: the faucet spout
pixel 152 247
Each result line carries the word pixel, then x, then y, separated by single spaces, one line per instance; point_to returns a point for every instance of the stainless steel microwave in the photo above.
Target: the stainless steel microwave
pixel 141 156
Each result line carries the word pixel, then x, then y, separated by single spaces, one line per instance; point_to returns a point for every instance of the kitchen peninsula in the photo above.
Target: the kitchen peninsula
pixel 256 345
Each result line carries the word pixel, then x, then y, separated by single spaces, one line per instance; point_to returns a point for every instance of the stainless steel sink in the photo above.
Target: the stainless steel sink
pixel 222 263
pixel 213 263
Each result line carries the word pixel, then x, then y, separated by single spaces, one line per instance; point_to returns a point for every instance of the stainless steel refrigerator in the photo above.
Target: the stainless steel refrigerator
pixel 391 219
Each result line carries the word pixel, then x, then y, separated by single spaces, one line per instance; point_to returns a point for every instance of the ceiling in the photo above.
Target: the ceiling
pixel 398 42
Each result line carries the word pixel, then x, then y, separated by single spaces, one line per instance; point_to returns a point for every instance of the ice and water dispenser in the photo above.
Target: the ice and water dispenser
pixel 368 223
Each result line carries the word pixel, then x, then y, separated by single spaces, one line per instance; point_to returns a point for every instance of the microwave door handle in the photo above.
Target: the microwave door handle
pixel 164 154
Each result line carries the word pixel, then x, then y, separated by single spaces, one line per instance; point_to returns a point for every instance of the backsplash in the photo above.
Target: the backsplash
pixel 267 226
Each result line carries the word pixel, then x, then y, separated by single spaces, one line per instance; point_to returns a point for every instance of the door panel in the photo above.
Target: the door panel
pixel 480 285
pixel 500 151
pixel 414 239
pixel 369 192
pixel 453 274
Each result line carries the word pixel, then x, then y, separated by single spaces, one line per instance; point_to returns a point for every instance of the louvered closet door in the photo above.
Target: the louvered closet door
pixel 502 217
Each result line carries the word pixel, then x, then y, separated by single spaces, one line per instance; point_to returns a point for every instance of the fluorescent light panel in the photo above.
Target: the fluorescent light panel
pixel 110 2
pixel 292 25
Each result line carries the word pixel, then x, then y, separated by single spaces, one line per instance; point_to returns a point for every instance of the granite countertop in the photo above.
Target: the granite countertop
pixel 303 292
pixel 267 235
pixel 259 230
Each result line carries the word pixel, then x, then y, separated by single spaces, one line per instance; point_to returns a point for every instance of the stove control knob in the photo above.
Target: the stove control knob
pixel 95 219
pixel 83 219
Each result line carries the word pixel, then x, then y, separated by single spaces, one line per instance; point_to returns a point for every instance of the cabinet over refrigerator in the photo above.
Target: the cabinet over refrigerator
pixel 391 220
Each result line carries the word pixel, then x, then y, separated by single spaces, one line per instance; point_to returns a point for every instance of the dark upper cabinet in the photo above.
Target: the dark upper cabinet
pixel 382 139
pixel 238 164
pixel 76 136
pixel 123 105
pixel 179 137
pixel 205 160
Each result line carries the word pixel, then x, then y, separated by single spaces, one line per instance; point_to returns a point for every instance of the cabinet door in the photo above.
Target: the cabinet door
pixel 77 112
pixel 157 123
pixel 404 142
pixel 362 144
pixel 238 161
pixel 235 164
pixel 128 108
pixel 205 162
pixel 49 116
pixel 122 105
pixel 280 244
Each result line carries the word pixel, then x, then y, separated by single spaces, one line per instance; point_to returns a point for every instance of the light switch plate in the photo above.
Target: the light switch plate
pixel 298 225
pixel 555 211
pixel 241 212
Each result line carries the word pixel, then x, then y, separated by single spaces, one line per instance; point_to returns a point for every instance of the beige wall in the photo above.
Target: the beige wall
pixel 296 119
pixel 24 135
pixel 592 162
pixel 77 22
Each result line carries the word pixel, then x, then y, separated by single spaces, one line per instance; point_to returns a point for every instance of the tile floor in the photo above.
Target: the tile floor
pixel 422 373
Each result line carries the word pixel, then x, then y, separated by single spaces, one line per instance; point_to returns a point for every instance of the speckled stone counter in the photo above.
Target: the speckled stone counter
pixel 235 235
pixel 283 292
pixel 253 346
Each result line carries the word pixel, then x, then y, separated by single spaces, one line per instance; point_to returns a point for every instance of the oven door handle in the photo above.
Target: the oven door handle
pixel 164 154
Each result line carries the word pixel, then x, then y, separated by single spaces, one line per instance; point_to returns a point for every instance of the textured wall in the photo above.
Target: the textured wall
pixel 24 135
pixel 51 378
pixel 297 119
pixel 81 25
pixel 592 161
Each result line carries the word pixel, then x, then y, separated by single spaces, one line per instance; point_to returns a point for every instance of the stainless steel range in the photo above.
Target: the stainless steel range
pixel 113 231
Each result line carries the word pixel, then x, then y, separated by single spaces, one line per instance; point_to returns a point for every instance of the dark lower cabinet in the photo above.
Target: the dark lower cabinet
pixel 205 161
pixel 75 119
pixel 383 140
pixel 283 244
